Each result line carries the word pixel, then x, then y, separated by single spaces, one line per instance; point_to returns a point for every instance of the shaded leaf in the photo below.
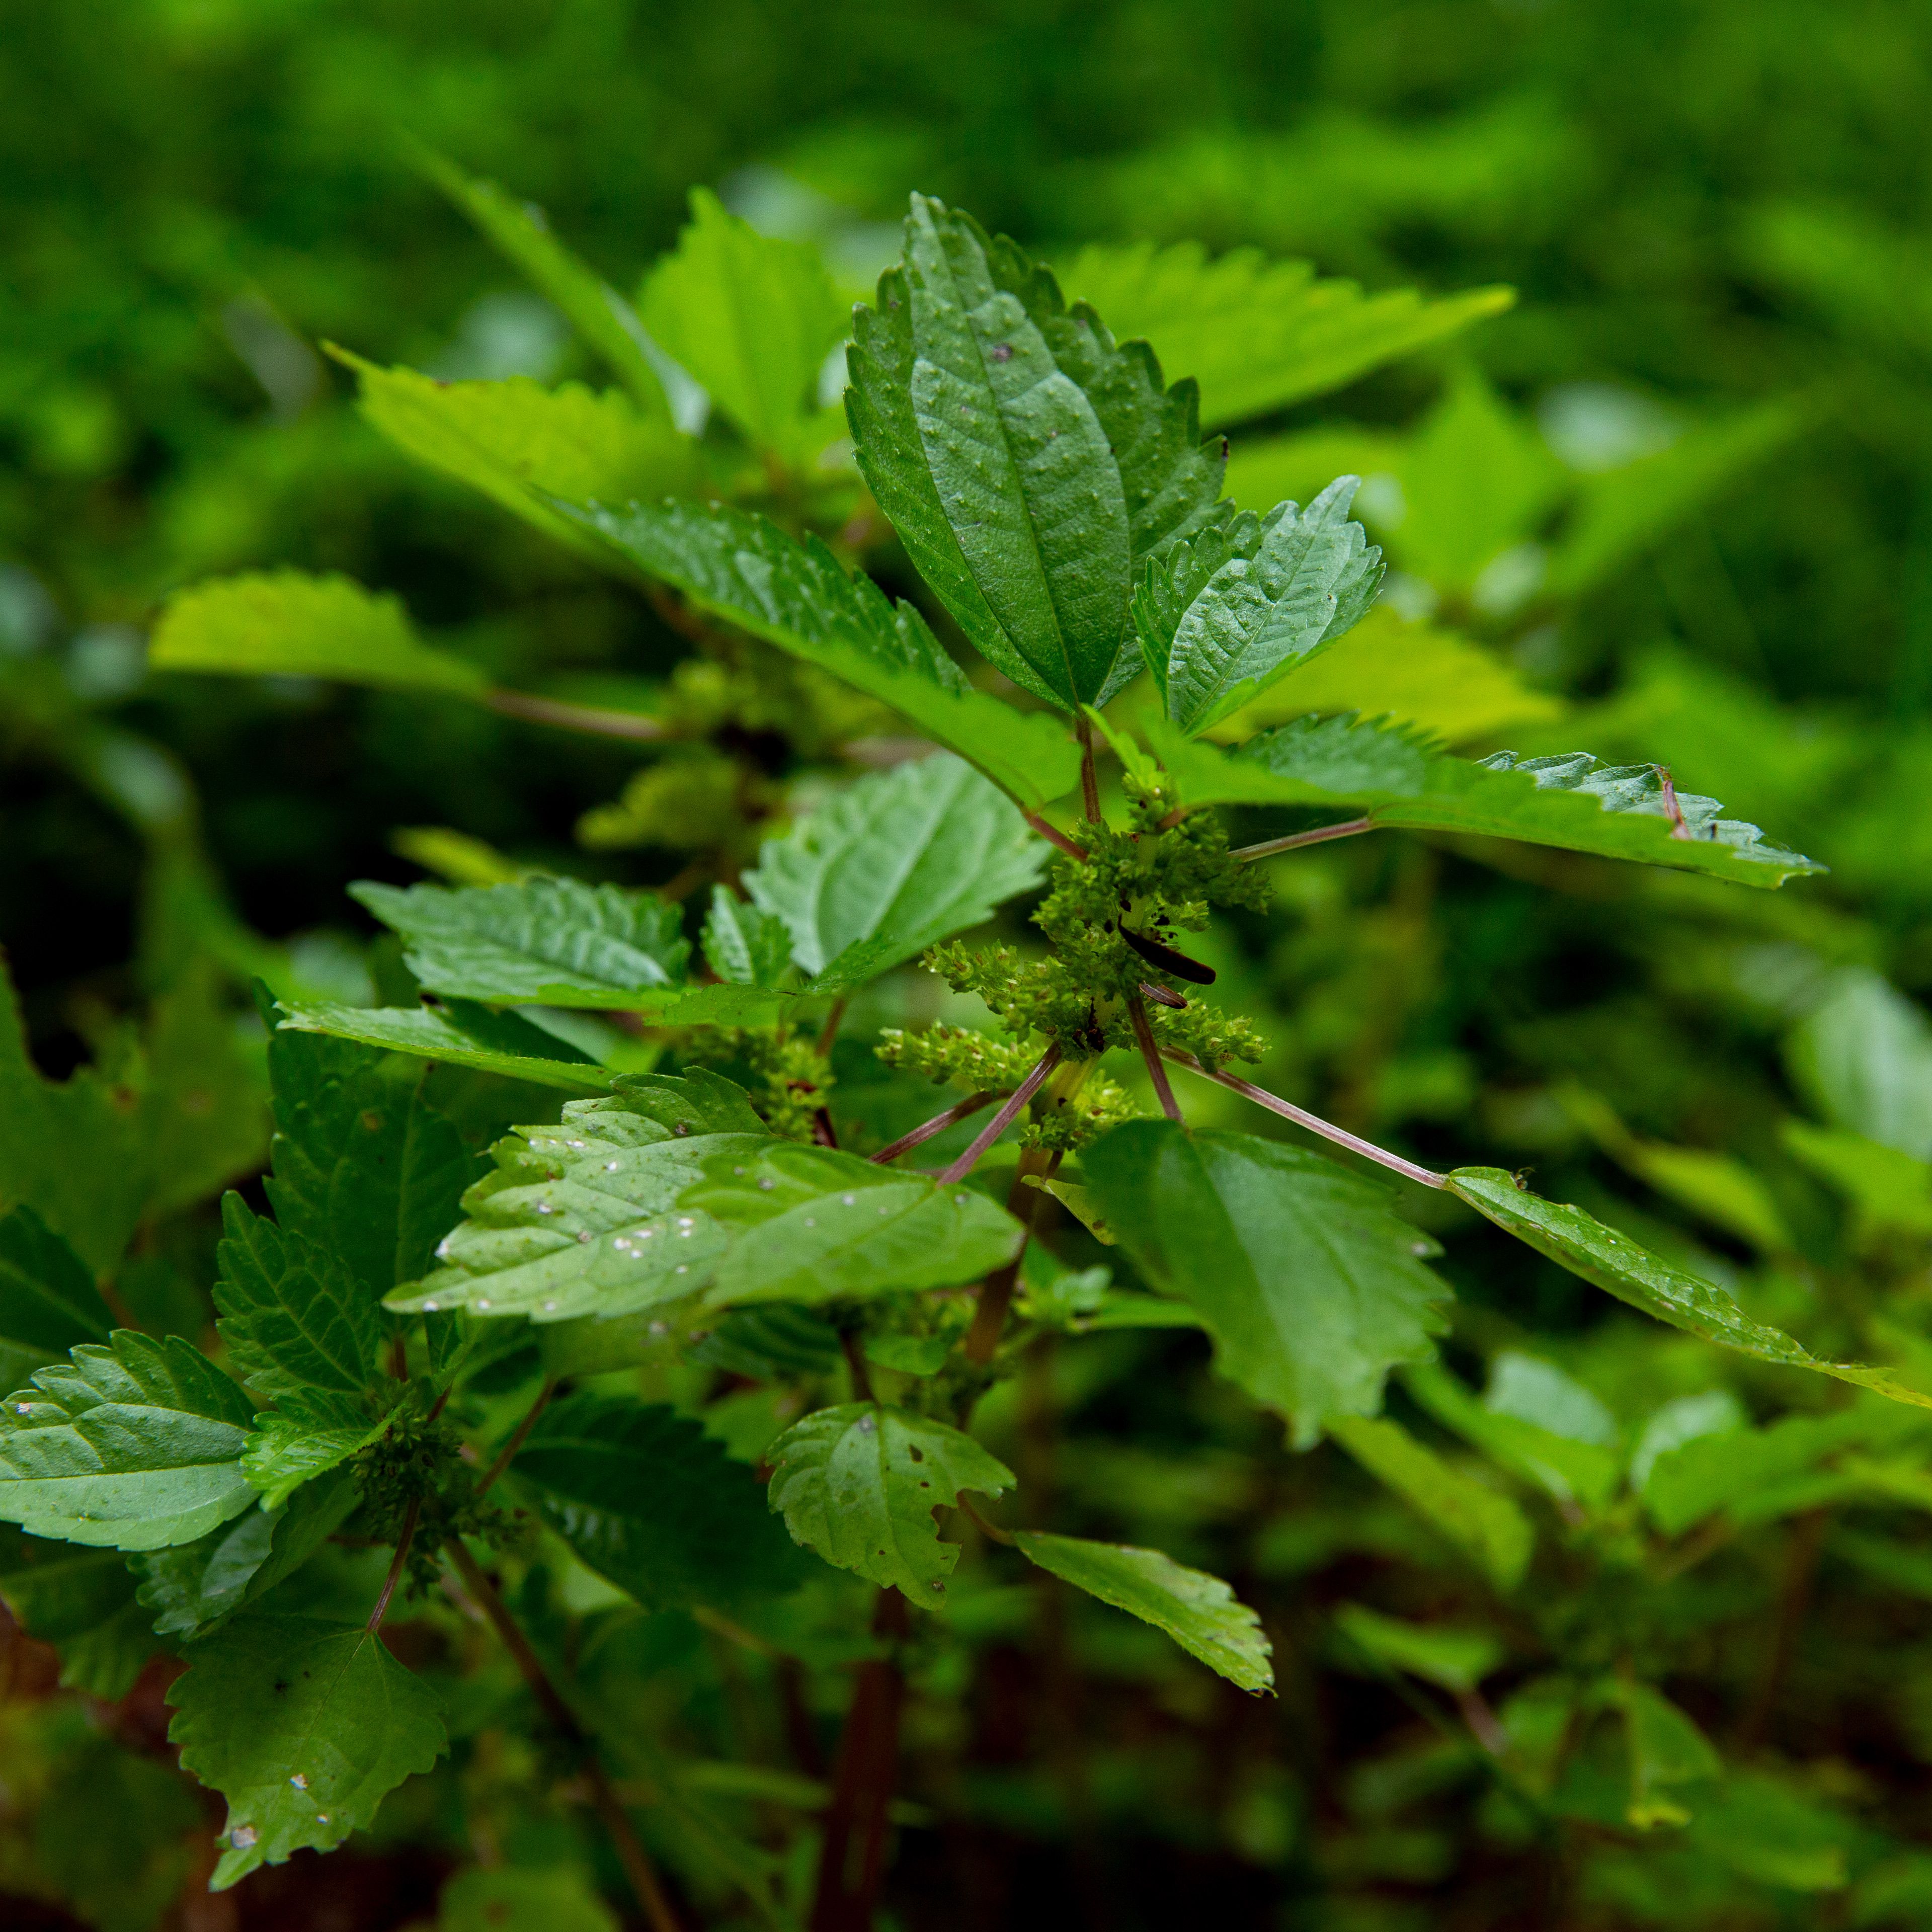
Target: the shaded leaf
pixel 1457 1660
pixel 858 1483
pixel 458 1035
pixel 904 858
pixel 1311 1287
pixel 1666 1750
pixel 508 1898
pixel 48 1301
pixel 133 1446
pixel 744 944
pixel 304 1726
pixel 795 595
pixel 1613 1262
pixel 1199 1612
pixel 648 1500
pixel 753 318
pixel 1572 1471
pixel 1863 1057
pixel 83 1601
pixel 1258 334
pixel 1029 463
pixel 286 623
pixel 810 1224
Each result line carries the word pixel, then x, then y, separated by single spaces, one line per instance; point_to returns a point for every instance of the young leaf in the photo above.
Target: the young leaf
pixel 133 1446
pixel 283 623
pixel 48 1301
pixel 744 944
pixel 298 1329
pixel 583 1219
pixel 190 1589
pixel 859 1483
pixel 1223 617
pixel 1394 779
pixel 753 318
pixel 520 443
pixel 1487 1527
pixel 304 1726
pixel 547 942
pixel 646 1498
pixel 1312 1289
pixel 1199 1612
pixel 1258 335
pixel 364 1167
pixel 458 1034
pixel 288 1449
pixel 1029 463
pixel 747 571
pixel 1612 1261
pixel 812 1225
pixel 595 309
pixel 903 858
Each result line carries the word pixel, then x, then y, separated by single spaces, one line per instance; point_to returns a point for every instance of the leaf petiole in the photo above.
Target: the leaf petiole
pixel 1247 854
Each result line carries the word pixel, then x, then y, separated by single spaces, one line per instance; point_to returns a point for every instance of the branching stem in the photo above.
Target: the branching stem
pixel 635 1860
pixel 1268 847
pixel 1314 1122
pixel 1137 1012
pixel 1054 835
pixel 1004 1118
pixel 930 1130
pixel 517 1434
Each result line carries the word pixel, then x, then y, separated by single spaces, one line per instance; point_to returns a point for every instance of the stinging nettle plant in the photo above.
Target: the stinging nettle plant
pixel 430 1360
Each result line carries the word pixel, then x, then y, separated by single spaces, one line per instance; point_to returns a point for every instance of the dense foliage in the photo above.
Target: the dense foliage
pixel 763 1102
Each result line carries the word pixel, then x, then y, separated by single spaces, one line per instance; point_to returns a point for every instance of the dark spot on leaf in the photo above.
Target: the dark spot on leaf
pixel 683 1128
pixel 372 1121
pixel 1002 352
pixel 917 1454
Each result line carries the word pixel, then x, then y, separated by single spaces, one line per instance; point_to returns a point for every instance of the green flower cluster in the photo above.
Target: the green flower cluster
pixel 980 1065
pixel 786 1075
pixel 418 1460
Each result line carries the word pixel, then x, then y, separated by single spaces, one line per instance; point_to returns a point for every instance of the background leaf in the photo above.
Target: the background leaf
pixel 48 1301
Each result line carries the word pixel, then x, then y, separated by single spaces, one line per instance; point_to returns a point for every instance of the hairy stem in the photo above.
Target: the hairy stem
pixel 635 1860
pixel 402 1556
pixel 1268 847
pixel 574 717
pixel 930 1130
pixel 1054 835
pixel 1314 1122
pixel 1143 1032
pixel 852 1858
pixel 1004 1118
pixel 517 1434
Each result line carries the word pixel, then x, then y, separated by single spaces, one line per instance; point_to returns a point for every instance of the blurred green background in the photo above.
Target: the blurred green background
pixel 1716 217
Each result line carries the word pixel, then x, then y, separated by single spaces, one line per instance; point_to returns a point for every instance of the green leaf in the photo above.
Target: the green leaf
pixel 1199 1612
pixel 48 1301
pixel 364 1167
pixel 82 1600
pixel 506 1898
pixel 646 1498
pixel 285 623
pixel 520 444
pixel 598 314
pixel 858 1483
pixel 1029 463
pixel 582 1218
pixel 811 1225
pixel 753 318
pixel 1223 615
pixel 903 858
pixel 1387 665
pixel 299 1330
pixel 1890 1191
pixel 304 1726
pixel 744 944
pixel 458 1034
pixel 1487 1527
pixel 133 1446
pixel 201 1116
pixel 795 595
pixel 192 1588
pixel 287 1450
pixel 1666 1749
pixel 1311 1287
pixel 545 942
pixel 1573 1472
pixel 1863 1057
pixel 1457 1660
pixel 1258 335
pixel 1618 1265
pixel 1395 779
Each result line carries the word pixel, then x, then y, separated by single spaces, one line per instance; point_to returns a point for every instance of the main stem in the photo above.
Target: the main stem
pixel 635 1860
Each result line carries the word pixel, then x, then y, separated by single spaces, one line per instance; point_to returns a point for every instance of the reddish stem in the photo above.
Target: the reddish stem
pixel 523 1428
pixel 1314 1122
pixel 1004 1119
pixel 1268 847
pixel 1137 1012
pixel 402 1556
pixel 1090 783
pixel 1054 835
pixel 930 1130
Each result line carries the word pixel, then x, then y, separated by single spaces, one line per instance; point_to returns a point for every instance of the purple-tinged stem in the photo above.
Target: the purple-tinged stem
pixel 960 1110
pixel 1054 835
pixel 402 1556
pixel 1143 1032
pixel 1314 1122
pixel 1268 847
pixel 1004 1119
